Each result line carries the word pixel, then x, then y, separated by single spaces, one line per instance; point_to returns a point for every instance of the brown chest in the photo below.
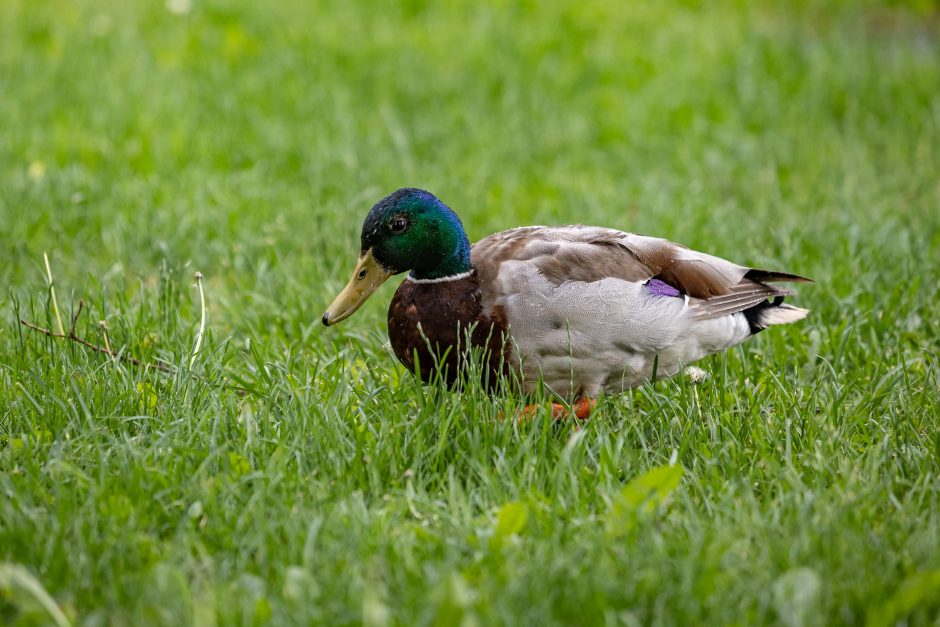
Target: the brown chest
pixel 435 328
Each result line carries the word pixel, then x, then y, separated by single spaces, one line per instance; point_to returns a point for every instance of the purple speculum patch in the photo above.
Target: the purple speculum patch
pixel 655 286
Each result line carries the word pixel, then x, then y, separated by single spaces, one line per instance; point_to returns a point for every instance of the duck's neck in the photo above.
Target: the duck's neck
pixel 456 265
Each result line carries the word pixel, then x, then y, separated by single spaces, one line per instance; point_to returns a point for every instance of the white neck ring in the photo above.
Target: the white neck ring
pixel 443 279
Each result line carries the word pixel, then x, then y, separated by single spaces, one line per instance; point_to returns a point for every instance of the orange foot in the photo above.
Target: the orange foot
pixel 581 409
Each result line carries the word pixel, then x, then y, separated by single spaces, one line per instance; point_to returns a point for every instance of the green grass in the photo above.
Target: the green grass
pixel 246 140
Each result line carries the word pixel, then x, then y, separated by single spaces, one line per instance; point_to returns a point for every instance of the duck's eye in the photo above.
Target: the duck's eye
pixel 398 225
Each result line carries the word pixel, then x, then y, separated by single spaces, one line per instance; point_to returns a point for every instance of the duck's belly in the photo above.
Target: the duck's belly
pixel 608 335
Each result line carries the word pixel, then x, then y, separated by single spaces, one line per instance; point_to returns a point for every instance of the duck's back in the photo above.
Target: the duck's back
pixel 591 308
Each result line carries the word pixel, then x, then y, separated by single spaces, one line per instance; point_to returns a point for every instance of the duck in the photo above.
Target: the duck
pixel 577 311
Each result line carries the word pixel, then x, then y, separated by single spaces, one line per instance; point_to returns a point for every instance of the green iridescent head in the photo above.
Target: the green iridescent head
pixel 410 229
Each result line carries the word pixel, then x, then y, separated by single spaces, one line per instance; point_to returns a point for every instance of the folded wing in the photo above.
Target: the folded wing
pixel 715 287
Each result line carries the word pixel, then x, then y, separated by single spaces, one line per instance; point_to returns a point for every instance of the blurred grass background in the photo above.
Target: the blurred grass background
pixel 141 142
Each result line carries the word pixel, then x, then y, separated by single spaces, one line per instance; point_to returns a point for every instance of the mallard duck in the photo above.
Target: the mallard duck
pixel 582 310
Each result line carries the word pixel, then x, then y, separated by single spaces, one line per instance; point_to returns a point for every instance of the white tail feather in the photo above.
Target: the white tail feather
pixel 780 314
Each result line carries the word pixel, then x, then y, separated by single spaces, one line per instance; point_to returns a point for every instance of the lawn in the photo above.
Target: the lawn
pixel 288 473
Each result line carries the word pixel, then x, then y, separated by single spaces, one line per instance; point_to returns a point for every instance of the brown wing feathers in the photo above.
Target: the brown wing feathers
pixel 715 286
pixel 674 265
pixel 750 292
pixel 695 278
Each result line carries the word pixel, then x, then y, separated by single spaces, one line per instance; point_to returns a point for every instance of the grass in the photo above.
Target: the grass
pixel 142 142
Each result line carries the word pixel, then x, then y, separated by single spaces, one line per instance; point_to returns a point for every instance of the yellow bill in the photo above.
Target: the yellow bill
pixel 367 278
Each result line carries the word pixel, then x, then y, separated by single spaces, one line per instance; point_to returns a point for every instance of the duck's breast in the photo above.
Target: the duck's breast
pixel 433 323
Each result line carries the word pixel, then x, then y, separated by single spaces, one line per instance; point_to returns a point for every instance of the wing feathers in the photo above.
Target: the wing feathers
pixel 716 287
pixel 708 309
pixel 767 276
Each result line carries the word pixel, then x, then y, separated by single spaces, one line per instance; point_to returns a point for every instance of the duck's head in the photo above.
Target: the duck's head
pixel 410 229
